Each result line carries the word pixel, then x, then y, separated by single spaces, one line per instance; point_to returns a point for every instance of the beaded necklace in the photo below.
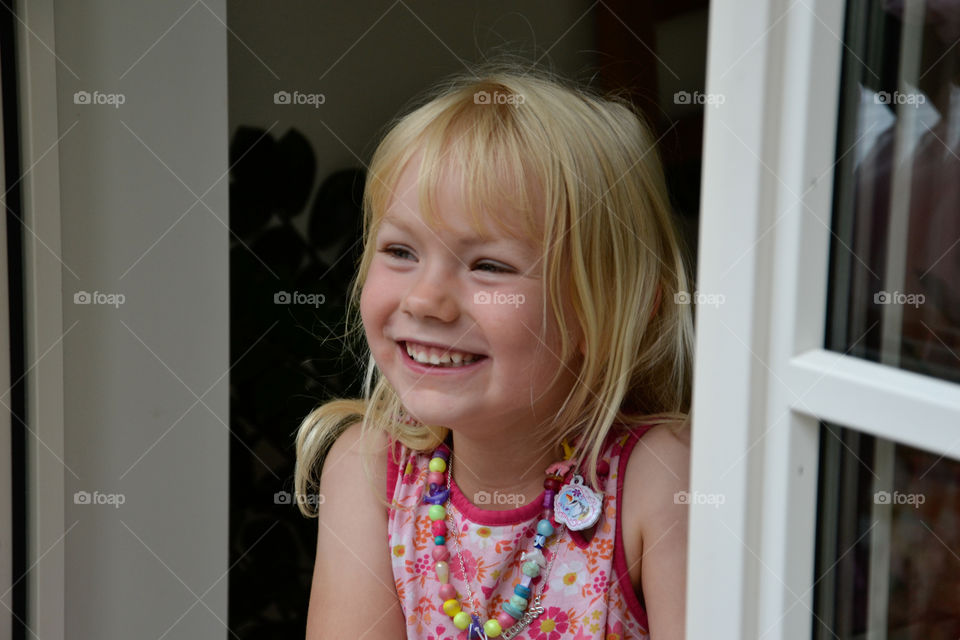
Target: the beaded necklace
pixel 578 507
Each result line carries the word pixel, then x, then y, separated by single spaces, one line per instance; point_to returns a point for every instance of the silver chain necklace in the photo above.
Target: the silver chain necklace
pixel 534 610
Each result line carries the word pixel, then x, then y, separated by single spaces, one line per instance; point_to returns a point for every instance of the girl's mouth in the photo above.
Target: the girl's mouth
pixel 440 358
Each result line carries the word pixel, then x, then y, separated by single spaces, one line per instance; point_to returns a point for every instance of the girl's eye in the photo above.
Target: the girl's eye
pixel 492 267
pixel 396 252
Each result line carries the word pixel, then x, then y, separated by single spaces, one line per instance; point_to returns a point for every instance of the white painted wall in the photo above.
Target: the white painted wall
pixel 132 374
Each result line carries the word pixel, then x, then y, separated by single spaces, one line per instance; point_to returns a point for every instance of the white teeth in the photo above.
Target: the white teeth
pixel 437 357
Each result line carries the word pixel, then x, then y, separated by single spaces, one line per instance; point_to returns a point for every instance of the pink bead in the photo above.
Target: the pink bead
pixel 447 592
pixel 437 478
pixel 439 528
pixel 440 553
pixel 506 620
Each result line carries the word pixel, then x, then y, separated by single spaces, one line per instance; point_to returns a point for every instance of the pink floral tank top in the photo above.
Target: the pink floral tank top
pixel 588 594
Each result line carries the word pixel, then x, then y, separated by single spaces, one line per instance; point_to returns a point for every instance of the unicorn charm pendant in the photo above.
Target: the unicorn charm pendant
pixel 576 505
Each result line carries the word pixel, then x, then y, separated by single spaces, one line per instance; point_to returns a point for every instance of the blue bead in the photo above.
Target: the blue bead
pixel 512 610
pixel 439 540
pixel 544 528
pixel 539 541
pixel 522 591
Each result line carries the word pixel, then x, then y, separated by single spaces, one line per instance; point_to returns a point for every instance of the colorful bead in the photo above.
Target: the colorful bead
pixel 526 580
pixel 440 554
pixel 512 610
pixel 443 572
pixel 531 569
pixel 461 620
pixel 519 602
pixel 548 499
pixel 439 528
pixel 442 452
pixel 447 592
pixel 451 607
pixel 522 591
pixel 506 620
pixel 437 478
pixel 437 512
pixel 438 464
pixel 544 528
pixel 439 541
pixel 603 468
pixel 475 630
pixel 539 541
pixel 534 556
pixel 552 483
pixel 492 627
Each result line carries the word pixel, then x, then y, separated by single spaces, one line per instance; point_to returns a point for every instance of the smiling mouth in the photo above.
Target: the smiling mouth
pixel 433 356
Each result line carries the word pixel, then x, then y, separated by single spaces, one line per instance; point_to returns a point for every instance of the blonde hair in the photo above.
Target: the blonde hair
pixel 585 172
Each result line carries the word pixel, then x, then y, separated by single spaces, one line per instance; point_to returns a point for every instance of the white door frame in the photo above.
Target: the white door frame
pixel 763 381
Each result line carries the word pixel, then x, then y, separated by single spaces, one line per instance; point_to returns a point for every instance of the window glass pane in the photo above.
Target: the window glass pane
pixel 888 541
pixel 895 254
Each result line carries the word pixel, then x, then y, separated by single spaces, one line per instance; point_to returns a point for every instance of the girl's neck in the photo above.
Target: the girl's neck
pixel 502 473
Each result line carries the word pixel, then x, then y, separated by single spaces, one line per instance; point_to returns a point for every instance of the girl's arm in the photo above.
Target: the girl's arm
pixel 353 594
pixel 658 470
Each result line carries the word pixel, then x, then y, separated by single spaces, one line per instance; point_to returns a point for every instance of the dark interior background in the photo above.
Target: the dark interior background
pixel 295 186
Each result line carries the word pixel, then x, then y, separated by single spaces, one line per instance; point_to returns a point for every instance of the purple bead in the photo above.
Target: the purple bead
pixel 475 629
pixel 437 497
pixel 442 452
pixel 548 499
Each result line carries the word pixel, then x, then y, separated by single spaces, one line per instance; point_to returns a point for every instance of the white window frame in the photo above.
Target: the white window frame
pixel 763 381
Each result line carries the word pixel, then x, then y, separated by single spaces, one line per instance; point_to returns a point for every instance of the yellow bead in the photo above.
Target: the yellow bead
pixel 438 464
pixel 492 628
pixel 461 620
pixel 451 607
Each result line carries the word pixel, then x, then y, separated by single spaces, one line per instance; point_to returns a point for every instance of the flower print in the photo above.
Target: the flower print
pixel 551 625
pixel 424 529
pixel 615 632
pixel 440 634
pixel 568 578
pixel 582 635
pixel 475 572
pixel 480 536
pixel 410 474
pixel 399 550
pixel 600 582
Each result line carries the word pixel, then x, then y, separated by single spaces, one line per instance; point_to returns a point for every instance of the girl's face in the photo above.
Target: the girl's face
pixel 470 306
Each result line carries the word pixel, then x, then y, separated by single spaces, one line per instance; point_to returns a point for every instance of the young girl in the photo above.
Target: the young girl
pixel 517 293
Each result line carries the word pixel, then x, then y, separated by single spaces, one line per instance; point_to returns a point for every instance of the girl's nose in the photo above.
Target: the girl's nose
pixel 431 296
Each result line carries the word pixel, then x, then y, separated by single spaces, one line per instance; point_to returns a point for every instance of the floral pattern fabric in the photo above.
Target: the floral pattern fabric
pixel 587 594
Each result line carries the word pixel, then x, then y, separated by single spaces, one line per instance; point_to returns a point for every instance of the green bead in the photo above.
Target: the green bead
pixel 437 512
pixel 439 540
pixel 492 627
pixel 531 569
pixel 461 620
pixel 438 464
pixel 519 602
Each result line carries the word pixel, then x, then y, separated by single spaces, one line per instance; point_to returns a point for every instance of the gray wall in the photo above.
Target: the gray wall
pixel 132 373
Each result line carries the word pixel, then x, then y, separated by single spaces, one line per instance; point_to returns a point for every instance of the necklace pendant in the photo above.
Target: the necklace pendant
pixel 576 505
